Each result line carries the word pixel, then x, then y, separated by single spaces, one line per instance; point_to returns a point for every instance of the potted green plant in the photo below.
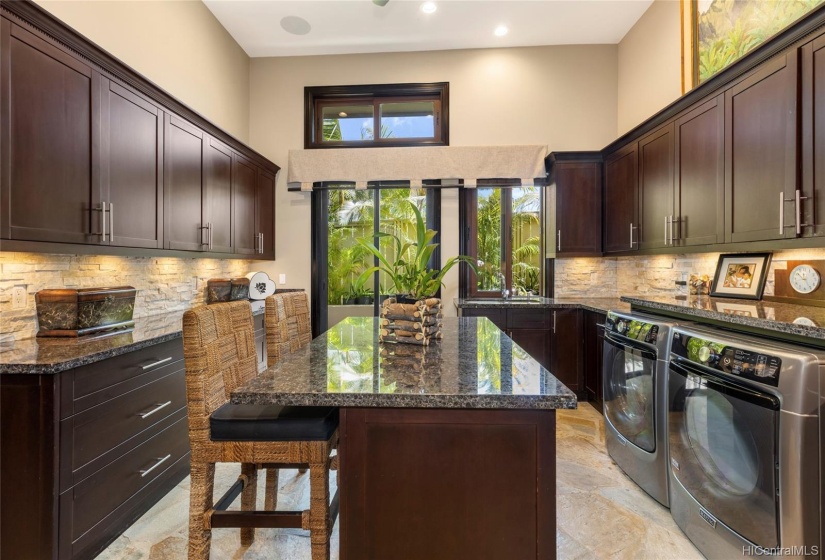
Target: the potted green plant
pixel 409 273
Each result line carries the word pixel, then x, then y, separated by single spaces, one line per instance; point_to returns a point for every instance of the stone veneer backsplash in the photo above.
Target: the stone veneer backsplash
pixel 163 284
pixel 654 275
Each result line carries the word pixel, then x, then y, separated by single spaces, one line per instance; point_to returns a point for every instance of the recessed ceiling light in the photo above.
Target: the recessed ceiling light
pixel 428 7
pixel 342 114
pixel 501 31
pixel 295 25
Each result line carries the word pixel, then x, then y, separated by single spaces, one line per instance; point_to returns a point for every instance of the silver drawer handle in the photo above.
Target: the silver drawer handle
pixel 151 412
pixel 163 361
pixel 161 460
pixel 601 326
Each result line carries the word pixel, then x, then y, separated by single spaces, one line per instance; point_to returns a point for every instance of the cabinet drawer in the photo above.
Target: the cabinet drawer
pixel 497 316
pixel 89 503
pixel 528 319
pixel 97 436
pixel 95 383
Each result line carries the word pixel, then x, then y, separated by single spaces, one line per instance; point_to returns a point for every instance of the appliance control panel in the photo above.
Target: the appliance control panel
pixel 632 328
pixel 740 362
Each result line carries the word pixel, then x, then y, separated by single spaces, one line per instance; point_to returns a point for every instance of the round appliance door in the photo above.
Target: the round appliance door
pixel 629 381
pixel 722 439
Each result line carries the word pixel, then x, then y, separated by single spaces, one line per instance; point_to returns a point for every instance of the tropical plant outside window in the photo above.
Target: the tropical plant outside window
pixel 726 30
pixel 514 259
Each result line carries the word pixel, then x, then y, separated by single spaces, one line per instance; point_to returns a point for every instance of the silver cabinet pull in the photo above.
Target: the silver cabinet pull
pixel 111 222
pixel 159 362
pixel 202 228
pixel 632 227
pixel 145 415
pixel 554 321
pixel 673 236
pixel 666 220
pixel 558 244
pixel 781 213
pixel 159 462
pixel 102 210
pixel 210 231
pixel 798 200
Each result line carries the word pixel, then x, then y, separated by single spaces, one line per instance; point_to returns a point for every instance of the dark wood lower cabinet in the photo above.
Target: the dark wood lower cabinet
pixel 593 351
pixel 566 348
pixel 84 453
pixel 534 342
pixel 444 484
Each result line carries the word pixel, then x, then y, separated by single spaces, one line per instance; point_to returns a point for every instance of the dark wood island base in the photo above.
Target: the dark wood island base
pixel 433 484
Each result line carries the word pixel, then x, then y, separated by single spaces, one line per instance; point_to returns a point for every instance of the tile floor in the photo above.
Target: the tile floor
pixel 601 512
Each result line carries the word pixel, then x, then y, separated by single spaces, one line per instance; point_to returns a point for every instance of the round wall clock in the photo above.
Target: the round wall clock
pixel 804 279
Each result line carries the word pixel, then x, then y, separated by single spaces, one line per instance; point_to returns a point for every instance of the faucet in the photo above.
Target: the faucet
pixel 505 293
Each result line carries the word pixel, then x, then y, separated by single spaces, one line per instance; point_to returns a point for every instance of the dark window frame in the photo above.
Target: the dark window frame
pixel 317 96
pixel 468 240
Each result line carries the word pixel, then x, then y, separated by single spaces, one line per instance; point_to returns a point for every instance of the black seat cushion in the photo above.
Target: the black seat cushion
pixel 271 422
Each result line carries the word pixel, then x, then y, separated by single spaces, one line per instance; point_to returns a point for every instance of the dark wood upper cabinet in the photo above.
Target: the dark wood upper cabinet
pixel 48 123
pixel 184 188
pixel 656 188
pixel 218 170
pixel 700 175
pixel 811 212
pixel 566 348
pixel 761 152
pixel 577 216
pixel 244 187
pixel 265 214
pixel 131 167
pixel 621 200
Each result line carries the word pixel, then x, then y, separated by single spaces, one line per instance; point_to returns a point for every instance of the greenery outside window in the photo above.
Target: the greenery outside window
pixel 376 116
pixel 502 228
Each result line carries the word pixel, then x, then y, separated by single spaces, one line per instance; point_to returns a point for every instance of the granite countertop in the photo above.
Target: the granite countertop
pixel 600 305
pixel 785 318
pixel 43 356
pixel 475 366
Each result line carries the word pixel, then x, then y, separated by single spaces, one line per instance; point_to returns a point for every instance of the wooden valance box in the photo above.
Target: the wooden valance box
pixel 79 312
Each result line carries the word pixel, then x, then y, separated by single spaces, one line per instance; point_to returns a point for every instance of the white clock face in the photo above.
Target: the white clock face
pixel 804 279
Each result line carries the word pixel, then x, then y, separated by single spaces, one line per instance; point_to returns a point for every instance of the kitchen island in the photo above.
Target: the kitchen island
pixel 447 451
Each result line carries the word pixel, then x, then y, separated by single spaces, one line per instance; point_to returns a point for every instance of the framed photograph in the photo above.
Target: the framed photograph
pixel 741 276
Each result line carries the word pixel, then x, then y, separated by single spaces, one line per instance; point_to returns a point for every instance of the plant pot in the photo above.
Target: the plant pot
pixel 405 298
pixel 349 301
pixel 363 300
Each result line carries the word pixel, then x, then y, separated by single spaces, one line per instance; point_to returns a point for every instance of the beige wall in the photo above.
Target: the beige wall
pixel 650 64
pixel 178 45
pixel 563 97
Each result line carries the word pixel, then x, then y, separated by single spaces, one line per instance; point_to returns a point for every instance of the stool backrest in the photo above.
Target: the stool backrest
pixel 287 324
pixel 219 354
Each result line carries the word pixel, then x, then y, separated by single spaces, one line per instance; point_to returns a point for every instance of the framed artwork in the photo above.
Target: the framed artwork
pixel 741 276
pixel 716 33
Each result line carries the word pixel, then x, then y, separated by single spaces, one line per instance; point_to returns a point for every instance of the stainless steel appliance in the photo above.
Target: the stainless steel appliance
pixel 746 443
pixel 634 385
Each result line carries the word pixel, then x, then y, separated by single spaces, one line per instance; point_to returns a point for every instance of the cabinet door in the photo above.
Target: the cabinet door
pixel 811 213
pixel 244 187
pixel 131 158
pixel 760 153
pixel 265 214
pixel 621 200
pixel 183 186
pixel 700 175
pixel 566 348
pixel 535 342
pixel 219 199
pixel 656 175
pixel 593 348
pixel 578 208
pixel 48 123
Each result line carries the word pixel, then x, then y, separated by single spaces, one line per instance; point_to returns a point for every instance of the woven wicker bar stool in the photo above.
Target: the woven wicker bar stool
pixel 218 344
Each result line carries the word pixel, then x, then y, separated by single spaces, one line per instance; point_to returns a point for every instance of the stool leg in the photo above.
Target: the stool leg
pixel 249 498
pixel 319 510
pixel 271 490
pixel 200 502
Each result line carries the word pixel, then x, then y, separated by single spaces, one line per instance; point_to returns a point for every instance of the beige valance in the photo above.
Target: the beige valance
pixel 415 164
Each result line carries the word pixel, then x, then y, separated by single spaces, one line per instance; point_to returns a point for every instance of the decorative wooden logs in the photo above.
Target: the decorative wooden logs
pixel 411 323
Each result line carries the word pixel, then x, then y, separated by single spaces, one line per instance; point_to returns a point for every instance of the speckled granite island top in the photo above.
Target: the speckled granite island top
pixel 475 366
pixel 598 304
pixel 772 317
pixel 43 356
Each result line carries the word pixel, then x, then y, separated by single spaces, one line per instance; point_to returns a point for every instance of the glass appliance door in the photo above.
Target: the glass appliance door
pixel 630 369
pixel 723 449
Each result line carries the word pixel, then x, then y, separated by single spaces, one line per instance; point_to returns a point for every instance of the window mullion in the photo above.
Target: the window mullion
pixel 507 236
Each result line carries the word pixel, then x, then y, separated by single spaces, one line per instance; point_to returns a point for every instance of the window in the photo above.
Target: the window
pixel 376 115
pixel 502 228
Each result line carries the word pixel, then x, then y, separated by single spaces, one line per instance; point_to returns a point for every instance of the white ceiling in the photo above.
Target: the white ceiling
pixel 359 26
